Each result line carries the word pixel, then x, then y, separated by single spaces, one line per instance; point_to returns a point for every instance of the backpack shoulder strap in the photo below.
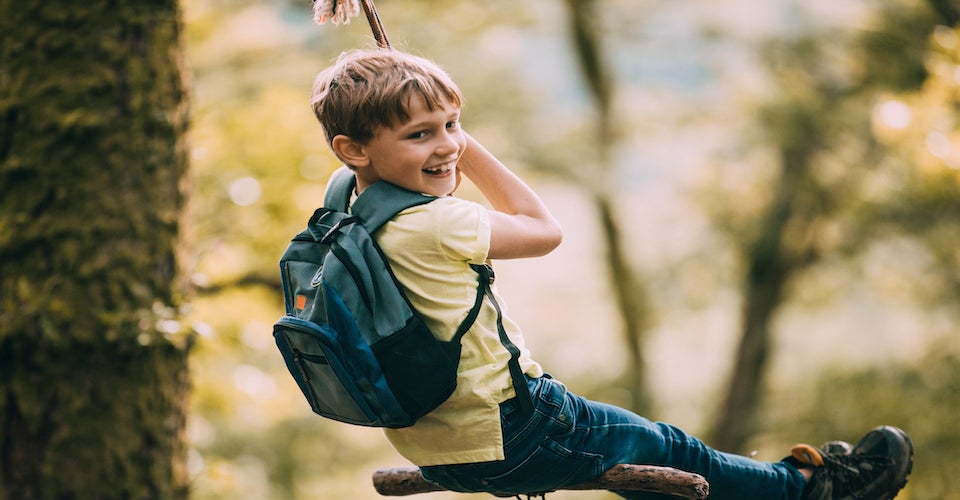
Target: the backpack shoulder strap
pixel 339 189
pixel 376 205
pixel 485 276
pixel 381 201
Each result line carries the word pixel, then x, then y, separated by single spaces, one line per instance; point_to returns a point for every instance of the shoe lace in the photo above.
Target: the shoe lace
pixel 854 471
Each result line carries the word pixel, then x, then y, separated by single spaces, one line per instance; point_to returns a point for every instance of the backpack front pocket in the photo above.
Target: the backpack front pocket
pixel 313 359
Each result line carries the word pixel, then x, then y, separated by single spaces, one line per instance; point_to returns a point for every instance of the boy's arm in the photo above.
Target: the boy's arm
pixel 520 224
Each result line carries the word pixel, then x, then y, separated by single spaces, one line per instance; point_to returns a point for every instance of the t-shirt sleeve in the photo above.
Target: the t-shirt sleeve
pixel 464 230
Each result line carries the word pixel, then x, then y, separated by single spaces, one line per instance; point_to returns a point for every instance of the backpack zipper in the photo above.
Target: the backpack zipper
pixel 316 358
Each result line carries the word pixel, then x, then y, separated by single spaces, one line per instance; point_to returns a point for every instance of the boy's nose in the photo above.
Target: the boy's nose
pixel 449 145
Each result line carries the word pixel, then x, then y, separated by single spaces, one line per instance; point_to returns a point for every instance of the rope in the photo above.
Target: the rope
pixel 375 25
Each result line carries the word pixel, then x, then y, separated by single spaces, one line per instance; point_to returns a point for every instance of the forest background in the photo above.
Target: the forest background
pixel 761 205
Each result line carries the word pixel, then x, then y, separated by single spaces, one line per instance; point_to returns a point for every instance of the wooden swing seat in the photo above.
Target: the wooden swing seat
pixel 403 481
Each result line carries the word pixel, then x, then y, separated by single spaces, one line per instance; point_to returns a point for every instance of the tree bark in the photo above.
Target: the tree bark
pixel 93 359
pixel 403 481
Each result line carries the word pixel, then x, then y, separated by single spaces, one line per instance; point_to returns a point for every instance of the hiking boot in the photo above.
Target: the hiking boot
pixel 875 469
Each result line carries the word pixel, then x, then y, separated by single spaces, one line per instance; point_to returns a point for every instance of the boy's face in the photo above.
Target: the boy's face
pixel 420 154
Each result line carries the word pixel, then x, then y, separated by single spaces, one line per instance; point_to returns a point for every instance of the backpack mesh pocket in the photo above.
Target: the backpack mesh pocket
pixel 420 369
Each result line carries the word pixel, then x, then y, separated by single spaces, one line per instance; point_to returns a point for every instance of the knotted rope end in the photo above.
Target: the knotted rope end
pixel 335 11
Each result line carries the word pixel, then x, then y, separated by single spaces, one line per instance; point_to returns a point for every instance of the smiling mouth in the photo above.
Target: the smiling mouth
pixel 439 170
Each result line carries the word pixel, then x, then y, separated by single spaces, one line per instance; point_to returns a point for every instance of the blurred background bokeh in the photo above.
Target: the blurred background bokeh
pixel 759 198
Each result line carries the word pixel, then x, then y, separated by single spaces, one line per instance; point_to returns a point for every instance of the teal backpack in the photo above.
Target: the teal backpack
pixel 356 347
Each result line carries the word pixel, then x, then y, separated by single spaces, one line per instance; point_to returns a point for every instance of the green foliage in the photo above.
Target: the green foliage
pixel 896 53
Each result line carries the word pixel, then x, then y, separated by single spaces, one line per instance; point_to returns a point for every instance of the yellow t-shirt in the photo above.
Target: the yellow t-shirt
pixel 430 248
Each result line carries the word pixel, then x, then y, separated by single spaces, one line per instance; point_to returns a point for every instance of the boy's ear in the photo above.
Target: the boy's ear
pixel 349 151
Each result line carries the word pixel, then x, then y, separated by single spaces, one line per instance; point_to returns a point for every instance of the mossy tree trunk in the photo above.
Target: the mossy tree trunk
pixel 93 360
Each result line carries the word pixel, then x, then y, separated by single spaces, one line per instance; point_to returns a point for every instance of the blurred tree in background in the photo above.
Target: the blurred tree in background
pixel 630 295
pixel 93 359
pixel 843 188
pixel 866 206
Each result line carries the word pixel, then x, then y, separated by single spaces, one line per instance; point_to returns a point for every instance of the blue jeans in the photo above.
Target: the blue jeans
pixel 569 439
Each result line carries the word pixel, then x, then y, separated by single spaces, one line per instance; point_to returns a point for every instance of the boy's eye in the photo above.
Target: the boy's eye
pixel 420 134
pixel 453 125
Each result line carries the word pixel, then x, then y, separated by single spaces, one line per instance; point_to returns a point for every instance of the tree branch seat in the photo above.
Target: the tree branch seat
pixel 403 481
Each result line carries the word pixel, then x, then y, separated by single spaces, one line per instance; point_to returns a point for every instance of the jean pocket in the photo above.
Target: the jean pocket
pixel 551 417
pixel 550 466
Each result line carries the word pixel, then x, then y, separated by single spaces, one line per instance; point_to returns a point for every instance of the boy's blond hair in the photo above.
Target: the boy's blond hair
pixel 370 88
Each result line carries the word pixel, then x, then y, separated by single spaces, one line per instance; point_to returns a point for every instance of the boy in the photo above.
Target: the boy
pixel 391 116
